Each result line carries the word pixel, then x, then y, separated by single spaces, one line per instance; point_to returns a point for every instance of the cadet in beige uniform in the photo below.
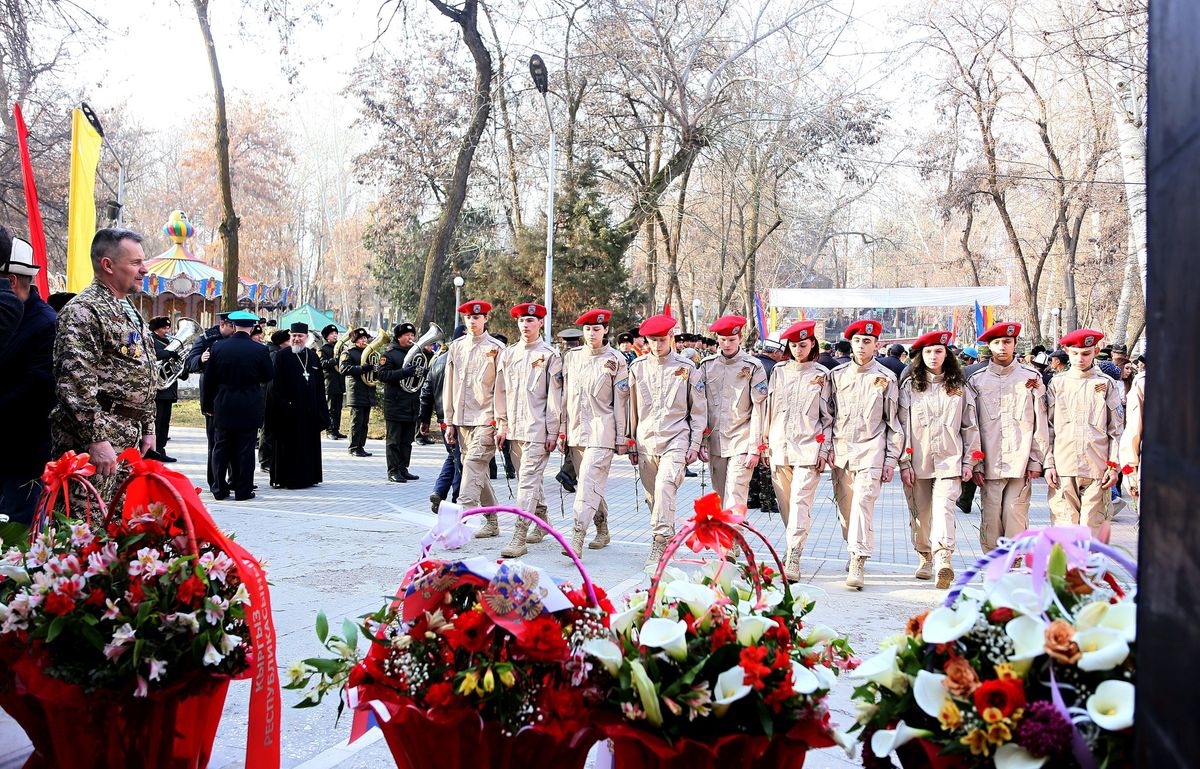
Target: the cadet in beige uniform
pixel 1130 452
pixel 468 398
pixel 735 386
pixel 1083 406
pixel 595 402
pixel 799 433
pixel 867 441
pixel 667 415
pixel 528 416
pixel 1011 410
pixel 937 412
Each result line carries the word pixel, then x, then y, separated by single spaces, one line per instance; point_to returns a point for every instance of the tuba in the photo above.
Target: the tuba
pixel 431 335
pixel 415 355
pixel 373 352
pixel 170 369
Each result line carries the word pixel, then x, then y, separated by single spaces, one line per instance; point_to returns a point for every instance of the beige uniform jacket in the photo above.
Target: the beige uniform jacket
pixel 941 434
pixel 667 407
pixel 529 392
pixel 866 424
pixel 595 398
pixel 1085 421
pixel 1010 407
pixel 1131 439
pixel 799 414
pixel 468 392
pixel 736 391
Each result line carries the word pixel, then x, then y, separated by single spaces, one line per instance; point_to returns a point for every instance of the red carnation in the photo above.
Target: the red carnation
pixel 908 450
pixel 977 456
pixel 95 598
pixel 191 590
pixel 820 438
pixel 1112 465
pixel 58 604
pixel 1006 696
pixel 1126 470
pixel 723 634
pixel 751 662
pixel 439 694
pixel 470 631
pixel 542 640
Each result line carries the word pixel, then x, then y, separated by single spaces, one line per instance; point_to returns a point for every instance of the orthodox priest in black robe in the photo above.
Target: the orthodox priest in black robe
pixel 297 413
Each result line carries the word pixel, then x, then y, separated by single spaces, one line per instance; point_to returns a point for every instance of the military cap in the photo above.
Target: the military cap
pixel 658 325
pixel 623 338
pixel 800 330
pixel 933 337
pixel 1084 337
pixel 475 307
pixel 158 322
pixel 594 318
pixel 403 328
pixel 243 319
pixel 327 330
pixel 1007 328
pixel 570 333
pixel 532 308
pixel 864 327
pixel 359 333
pixel 728 325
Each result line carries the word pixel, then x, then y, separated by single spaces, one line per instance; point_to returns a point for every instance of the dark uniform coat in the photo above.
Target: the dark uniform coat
pixel 401 384
pixel 359 394
pixel 234 376
pixel 335 380
pixel 27 391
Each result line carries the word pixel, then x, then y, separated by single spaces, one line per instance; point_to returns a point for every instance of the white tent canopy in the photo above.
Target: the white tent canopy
pixel 852 298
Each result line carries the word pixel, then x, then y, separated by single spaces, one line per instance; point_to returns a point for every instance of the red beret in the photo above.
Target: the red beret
pixel 521 310
pixel 657 325
pixel 728 325
pixel 1084 337
pixel 802 330
pixel 933 337
pixel 475 307
pixel 865 328
pixel 1006 328
pixel 594 317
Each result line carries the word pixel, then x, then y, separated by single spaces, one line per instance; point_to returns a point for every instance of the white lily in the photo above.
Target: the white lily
pixel 606 651
pixel 819 633
pixel 646 692
pixel 1028 634
pixel 1015 591
pixel 884 741
pixel 1089 616
pixel 944 625
pixel 623 621
pixel 699 598
pixel 1111 706
pixel 665 634
pixel 825 675
pixel 1122 617
pixel 930 692
pixel 883 669
pixel 721 574
pixel 731 686
pixel 771 597
pixel 751 628
pixel 1103 649
pixel 1010 755
pixel 804 681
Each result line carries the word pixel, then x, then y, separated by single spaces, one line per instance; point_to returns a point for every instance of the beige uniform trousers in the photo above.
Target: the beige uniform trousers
pixel 661 477
pixel 478 446
pixel 1078 498
pixel 731 479
pixel 530 458
pixel 591 476
pixel 932 502
pixel 855 492
pixel 1005 506
pixel 796 488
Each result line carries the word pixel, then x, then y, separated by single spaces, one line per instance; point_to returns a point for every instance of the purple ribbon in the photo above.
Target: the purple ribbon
pixel 1079 746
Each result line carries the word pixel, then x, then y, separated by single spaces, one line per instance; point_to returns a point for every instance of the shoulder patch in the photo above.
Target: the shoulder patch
pixel 623 385
pixel 761 387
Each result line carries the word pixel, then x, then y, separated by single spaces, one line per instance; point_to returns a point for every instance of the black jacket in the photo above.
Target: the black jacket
pixel 335 380
pixel 236 372
pixel 166 394
pixel 892 363
pixel 359 394
pixel 27 390
pixel 431 391
pixel 401 384
pixel 201 344
pixel 827 360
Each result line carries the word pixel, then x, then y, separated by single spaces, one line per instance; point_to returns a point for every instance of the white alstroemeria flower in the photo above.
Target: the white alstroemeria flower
pixel 229 642
pixel 1028 634
pixel 721 573
pixel 819 633
pixel 1111 706
pixel 930 692
pixel 771 597
pixel 884 741
pixel 665 634
pixel 743 589
pixel 883 669
pixel 241 596
pixel 214 609
pixel 1015 591
pixel 124 634
pixel 1010 755
pixel 804 681
pixel 731 686
pixel 699 598
pixel 143 688
pixel 212 656
pixel 1103 649
pixel 15 572
pixel 157 669
pixel 751 628
pixel 844 741
pixel 646 692
pixel 944 625
pixel 623 621
pixel 606 651
pixel 296 672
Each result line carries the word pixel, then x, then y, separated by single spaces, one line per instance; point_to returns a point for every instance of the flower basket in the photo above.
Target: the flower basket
pixel 1034 669
pixel 101 661
pixel 677 707
pixel 474 664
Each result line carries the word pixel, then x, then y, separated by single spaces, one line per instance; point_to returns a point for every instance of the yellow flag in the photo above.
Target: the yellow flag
pixel 773 323
pixel 81 207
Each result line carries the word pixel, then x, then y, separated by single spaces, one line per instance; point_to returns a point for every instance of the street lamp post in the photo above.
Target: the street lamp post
pixel 696 316
pixel 1054 315
pixel 541 80
pixel 458 284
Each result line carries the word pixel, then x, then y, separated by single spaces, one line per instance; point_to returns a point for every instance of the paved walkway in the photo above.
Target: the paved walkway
pixel 344 545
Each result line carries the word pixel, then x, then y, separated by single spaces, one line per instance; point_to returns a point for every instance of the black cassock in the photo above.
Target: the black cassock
pixel 296 415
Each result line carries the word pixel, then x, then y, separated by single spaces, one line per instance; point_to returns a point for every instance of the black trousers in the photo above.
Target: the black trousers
pixel 162 424
pixel 568 467
pixel 266 448
pixel 400 434
pixel 210 431
pixel 359 416
pixel 335 412
pixel 233 457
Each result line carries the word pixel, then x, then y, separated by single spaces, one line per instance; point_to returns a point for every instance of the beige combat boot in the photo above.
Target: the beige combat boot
pixel 516 546
pixel 657 547
pixel 791 565
pixel 855 578
pixel 925 568
pixel 489 529
pixel 578 534
pixel 602 539
pixel 945 574
pixel 538 533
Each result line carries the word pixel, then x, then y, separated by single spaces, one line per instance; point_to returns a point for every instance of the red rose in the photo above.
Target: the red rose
pixel 1001 615
pixel 191 590
pixel 908 450
pixel 471 631
pixel 542 640
pixel 439 694
pixel 820 438
pixel 1006 696
pixel 58 604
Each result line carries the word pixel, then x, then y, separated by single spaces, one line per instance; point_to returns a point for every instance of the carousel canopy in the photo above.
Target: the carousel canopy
pixel 316 319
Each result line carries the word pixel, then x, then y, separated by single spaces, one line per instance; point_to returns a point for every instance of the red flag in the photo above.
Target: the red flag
pixel 667 309
pixel 37 236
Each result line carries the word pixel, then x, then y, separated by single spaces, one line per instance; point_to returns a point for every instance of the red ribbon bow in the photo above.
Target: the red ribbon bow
pixel 714 526
pixel 69 465
pixel 56 480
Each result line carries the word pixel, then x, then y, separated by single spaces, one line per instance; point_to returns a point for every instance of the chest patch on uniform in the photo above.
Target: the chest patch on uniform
pixel 699 385
pixel 681 372
pixel 623 385
pixel 954 392
pixel 1102 388
pixel 540 362
pixel 1032 383
pixel 818 380
pixel 558 377
pixel 761 388
pixel 744 373
pixel 880 382
pixel 492 353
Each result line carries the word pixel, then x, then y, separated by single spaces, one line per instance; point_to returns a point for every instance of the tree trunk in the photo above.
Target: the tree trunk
pixel 1069 232
pixel 467 19
pixel 1121 322
pixel 1131 141
pixel 646 200
pixel 228 227
pixel 676 239
pixel 506 125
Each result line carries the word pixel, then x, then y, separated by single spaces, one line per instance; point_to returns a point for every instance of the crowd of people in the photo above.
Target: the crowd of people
pixel 768 423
